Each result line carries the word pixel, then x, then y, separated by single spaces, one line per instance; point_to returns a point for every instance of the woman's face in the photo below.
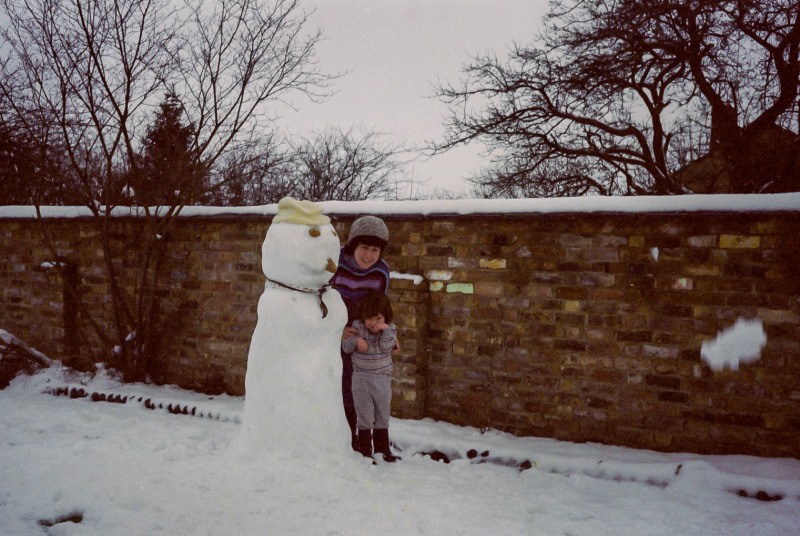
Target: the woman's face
pixel 366 256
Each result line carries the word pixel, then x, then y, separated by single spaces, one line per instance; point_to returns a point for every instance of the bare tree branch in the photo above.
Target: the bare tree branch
pixel 91 72
pixel 615 90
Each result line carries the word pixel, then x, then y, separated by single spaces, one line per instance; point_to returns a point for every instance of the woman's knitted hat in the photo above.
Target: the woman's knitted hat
pixel 368 226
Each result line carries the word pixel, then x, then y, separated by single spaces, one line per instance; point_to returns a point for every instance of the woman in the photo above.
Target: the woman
pixel 361 271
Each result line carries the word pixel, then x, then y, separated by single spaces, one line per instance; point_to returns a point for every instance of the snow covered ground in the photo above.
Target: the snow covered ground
pixel 70 466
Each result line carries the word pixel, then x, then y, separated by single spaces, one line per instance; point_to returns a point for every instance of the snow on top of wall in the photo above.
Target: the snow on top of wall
pixel 639 204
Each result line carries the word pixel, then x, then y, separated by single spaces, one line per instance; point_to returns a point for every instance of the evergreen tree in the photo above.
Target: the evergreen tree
pixel 168 170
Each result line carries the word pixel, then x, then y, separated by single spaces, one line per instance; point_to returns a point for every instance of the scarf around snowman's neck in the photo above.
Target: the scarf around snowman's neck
pixel 308 290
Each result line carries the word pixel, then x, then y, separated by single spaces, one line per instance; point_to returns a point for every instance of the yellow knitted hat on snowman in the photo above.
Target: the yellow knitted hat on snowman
pixel 291 210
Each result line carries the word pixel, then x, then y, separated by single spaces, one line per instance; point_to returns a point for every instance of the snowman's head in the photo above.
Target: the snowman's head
pixel 301 247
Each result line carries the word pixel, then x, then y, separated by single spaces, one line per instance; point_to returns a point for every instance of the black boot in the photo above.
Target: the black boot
pixel 381 436
pixel 365 442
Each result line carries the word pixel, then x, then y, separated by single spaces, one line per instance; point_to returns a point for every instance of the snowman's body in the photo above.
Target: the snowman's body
pixel 293 397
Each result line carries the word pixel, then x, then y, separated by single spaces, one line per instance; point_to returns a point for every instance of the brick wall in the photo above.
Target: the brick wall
pixel 583 327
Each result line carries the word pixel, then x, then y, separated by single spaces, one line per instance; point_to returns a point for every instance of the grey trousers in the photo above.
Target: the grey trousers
pixel 372 395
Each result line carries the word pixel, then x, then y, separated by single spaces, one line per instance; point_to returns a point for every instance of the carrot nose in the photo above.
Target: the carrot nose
pixel 331 267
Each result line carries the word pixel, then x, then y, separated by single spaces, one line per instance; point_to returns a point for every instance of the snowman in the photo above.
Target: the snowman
pixel 293 397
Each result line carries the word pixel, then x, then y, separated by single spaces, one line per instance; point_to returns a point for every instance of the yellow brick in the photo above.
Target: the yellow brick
pixel 565 411
pixel 774 421
pixel 778 316
pixel 494 264
pixel 636 241
pixel 413 250
pixel 739 242
pixel 702 270
pixel 765 227
pixel 662 439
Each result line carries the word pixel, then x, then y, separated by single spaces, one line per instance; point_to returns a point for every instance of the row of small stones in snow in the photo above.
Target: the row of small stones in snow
pixel 148 403
pixel 437 455
pixel 484 457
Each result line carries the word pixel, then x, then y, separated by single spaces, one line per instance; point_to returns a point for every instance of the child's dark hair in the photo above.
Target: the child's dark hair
pixel 375 303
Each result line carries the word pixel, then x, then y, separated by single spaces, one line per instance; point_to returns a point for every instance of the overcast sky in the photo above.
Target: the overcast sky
pixel 394 52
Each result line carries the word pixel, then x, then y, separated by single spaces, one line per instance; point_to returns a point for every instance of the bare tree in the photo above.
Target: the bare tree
pixel 93 71
pixel 345 166
pixel 616 97
pixel 254 174
pixel 332 165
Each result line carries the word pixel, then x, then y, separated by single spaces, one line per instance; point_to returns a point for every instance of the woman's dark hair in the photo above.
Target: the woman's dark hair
pixel 375 303
pixel 366 240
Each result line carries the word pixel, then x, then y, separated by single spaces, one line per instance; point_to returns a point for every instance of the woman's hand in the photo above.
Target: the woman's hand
pixel 348 332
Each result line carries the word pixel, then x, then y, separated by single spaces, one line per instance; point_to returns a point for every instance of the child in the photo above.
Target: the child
pixel 371 350
pixel 361 270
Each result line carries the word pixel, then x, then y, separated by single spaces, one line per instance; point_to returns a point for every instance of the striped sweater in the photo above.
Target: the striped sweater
pixel 353 282
pixel 378 357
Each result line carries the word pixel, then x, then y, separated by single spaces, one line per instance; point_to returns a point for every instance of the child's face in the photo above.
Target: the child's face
pixel 375 323
pixel 366 256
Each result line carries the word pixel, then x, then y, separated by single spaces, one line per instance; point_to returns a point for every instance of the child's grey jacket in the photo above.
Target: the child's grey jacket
pixel 378 357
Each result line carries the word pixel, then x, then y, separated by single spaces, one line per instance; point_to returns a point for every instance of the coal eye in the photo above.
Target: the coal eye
pixel 314 231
